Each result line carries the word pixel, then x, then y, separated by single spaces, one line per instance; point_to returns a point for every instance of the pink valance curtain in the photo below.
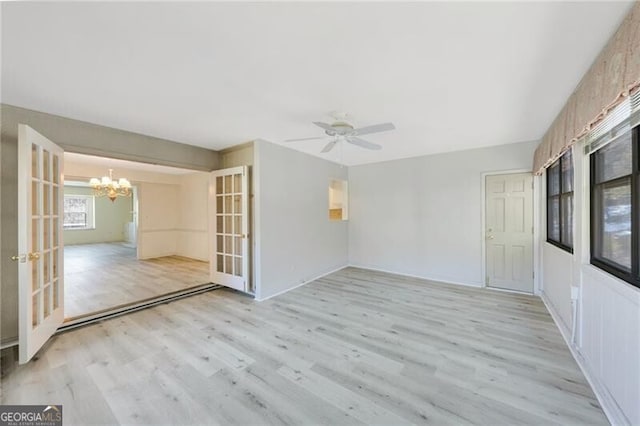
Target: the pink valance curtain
pixel 613 76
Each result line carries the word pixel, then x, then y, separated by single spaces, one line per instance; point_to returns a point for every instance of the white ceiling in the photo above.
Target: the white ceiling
pixel 450 75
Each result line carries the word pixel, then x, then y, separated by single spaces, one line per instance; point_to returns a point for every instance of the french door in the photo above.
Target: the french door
pixel 229 224
pixel 40 246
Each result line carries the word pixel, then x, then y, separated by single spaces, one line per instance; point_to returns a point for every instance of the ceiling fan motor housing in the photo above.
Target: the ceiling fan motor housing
pixel 340 128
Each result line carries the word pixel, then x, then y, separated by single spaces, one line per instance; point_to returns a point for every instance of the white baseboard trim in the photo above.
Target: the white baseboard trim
pixel 302 283
pixel 611 409
pixel 9 344
pixel 156 255
pixel 438 280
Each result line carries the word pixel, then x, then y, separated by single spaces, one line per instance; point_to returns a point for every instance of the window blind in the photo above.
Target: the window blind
pixel 620 120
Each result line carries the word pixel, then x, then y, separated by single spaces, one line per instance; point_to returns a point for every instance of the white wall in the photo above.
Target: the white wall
pixel 607 341
pixel 557 279
pixel 422 216
pixel 193 222
pixel 295 240
pixel 158 211
pixel 174 218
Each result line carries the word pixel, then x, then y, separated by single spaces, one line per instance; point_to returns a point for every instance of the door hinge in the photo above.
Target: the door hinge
pixel 486 280
pixel 533 274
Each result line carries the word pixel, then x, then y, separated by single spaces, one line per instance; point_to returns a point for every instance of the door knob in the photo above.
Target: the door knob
pixel 489 237
pixel 34 256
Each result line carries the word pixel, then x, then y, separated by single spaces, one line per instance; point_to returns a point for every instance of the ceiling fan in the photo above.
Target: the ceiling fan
pixel 341 129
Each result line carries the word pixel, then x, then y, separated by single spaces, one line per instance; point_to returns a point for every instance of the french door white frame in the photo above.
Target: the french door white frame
pixel 537 278
pixel 229 227
pixel 40 253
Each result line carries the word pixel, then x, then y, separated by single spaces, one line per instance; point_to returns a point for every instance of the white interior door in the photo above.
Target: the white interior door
pixel 40 279
pixel 229 202
pixel 509 231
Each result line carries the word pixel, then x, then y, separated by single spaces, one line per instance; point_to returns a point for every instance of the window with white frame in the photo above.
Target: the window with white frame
pixel 79 212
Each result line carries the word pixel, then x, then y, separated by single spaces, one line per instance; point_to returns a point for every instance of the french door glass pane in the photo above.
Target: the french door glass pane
pixel 56 294
pixel 35 275
pixel 35 164
pixel 228 185
pixel 45 165
pixel 238 246
pixel 238 266
pixel 54 201
pixel 46 234
pixel 237 224
pixel 228 248
pixel 56 169
pixel 56 224
pixel 46 277
pixel 228 225
pixel 615 219
pixel 35 198
pixel 35 228
pixel 46 205
pixel 55 264
pixel 237 184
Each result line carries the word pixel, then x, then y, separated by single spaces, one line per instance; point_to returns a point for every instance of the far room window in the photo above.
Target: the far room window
pixel 615 199
pixel 560 202
pixel 79 211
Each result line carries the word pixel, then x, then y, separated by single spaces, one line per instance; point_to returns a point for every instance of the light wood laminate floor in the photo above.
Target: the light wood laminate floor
pixel 101 276
pixel 355 347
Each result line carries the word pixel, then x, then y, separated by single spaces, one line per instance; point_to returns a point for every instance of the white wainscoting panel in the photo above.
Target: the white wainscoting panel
pixel 610 340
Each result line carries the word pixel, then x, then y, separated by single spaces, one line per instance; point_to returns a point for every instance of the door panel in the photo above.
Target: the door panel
pixel 41 276
pixel 228 201
pixel 509 231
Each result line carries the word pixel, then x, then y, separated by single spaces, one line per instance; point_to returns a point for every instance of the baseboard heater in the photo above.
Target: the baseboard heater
pixel 94 317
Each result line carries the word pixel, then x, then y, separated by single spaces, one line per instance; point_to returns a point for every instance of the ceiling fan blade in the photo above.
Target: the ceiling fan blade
pixel 328 147
pixel 323 125
pixel 305 139
pixel 363 143
pixel 374 129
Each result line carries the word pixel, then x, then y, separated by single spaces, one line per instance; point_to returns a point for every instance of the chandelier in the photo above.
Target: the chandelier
pixel 109 187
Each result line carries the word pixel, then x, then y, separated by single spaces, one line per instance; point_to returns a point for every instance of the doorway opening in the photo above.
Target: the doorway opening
pixel 143 245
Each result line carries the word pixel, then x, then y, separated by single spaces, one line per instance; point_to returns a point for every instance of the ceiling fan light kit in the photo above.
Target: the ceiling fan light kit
pixel 342 130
